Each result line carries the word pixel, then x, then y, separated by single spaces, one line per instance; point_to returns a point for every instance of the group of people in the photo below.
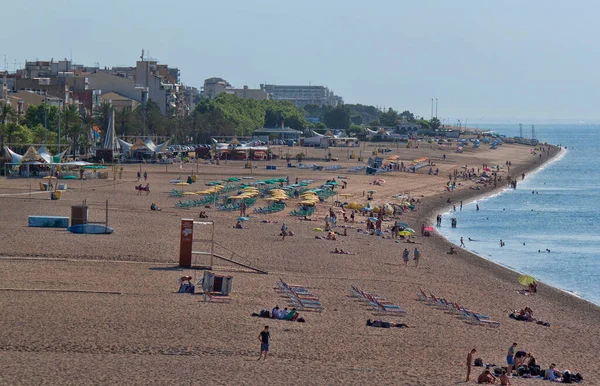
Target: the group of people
pixel 526 315
pixel 523 363
pixel 416 256
pixel 291 315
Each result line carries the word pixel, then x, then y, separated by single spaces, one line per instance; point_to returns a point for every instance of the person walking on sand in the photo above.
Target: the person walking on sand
pixel 263 338
pixel 145 176
pixel 416 257
pixel 283 231
pixel 462 243
pixel 470 363
pixel 460 204
pixel 477 207
pixel 139 175
pixel 510 358
pixel 405 256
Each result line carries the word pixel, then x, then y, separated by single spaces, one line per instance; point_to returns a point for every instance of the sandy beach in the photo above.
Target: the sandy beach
pixel 101 309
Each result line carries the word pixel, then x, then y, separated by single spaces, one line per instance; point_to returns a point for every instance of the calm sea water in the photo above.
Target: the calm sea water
pixel 563 215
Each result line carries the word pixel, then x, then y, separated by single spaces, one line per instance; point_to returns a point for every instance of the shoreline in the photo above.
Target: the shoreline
pixel 471 196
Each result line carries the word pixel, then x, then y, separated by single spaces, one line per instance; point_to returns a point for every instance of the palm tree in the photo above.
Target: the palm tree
pixel 123 118
pixel 72 122
pixel 7 115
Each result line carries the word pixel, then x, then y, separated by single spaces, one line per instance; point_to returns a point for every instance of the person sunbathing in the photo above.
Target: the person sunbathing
pixel 486 377
pixel 331 236
pixel 154 207
pixel 185 285
pixel 238 225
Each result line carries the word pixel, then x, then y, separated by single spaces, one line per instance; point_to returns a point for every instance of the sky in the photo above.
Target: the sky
pixel 483 60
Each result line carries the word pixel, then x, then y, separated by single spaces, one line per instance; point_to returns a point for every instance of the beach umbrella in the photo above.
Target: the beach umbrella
pixel 182 183
pixel 49 177
pixel 331 183
pixel 189 193
pixel 317 229
pixel 372 191
pixel 308 202
pixel 402 224
pixel 373 219
pixel 526 280
pixel 243 218
pixel 404 233
pixel 428 229
pixel 409 230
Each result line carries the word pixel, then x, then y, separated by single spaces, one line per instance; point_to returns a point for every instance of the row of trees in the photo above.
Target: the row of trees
pixel 225 115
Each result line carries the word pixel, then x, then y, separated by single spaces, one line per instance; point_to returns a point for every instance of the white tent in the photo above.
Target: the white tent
pixel 15 158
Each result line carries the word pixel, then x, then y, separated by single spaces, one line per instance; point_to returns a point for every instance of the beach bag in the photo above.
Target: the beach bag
pixel 567 377
pixel 535 371
pixel 478 362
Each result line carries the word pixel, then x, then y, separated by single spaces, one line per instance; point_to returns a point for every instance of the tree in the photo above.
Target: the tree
pixel 7 114
pixel 407 116
pixel 435 123
pixel 337 118
pixel 299 157
pixel 15 133
pixel 355 129
pixel 123 120
pixel 389 118
pixel 73 126
pixel 35 116
pixel 357 119
pixel 38 134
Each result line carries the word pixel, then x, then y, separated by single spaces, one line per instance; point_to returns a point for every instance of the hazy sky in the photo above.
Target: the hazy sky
pixel 482 59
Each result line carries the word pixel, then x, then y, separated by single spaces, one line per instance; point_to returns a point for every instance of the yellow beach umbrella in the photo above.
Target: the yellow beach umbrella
pixel 182 183
pixel 308 202
pixel 404 233
pixel 354 205
pixel 189 193
pixel 526 280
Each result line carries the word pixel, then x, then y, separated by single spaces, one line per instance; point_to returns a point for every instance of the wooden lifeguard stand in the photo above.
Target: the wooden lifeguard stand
pixel 187 247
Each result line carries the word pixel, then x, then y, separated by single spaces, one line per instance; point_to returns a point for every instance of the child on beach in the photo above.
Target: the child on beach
pixel 263 338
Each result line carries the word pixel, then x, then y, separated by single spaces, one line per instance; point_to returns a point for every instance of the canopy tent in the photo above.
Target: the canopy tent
pixel 15 158
pixel 39 157
pixel 146 145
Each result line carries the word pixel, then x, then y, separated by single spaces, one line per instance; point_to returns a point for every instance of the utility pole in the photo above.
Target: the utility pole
pixel 45 117
pixel 431 108
pixel 436 107
pixel 59 106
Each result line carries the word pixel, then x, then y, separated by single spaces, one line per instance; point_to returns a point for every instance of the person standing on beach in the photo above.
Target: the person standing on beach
pixel 283 231
pixel 416 257
pixel 139 175
pixel 264 337
pixel 510 358
pixel 470 363
pixel 477 207
pixel 462 243
pixel 405 256
pixel 460 204
pixel 145 176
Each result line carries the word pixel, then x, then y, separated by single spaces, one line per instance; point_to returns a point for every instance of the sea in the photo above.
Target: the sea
pixel 550 225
